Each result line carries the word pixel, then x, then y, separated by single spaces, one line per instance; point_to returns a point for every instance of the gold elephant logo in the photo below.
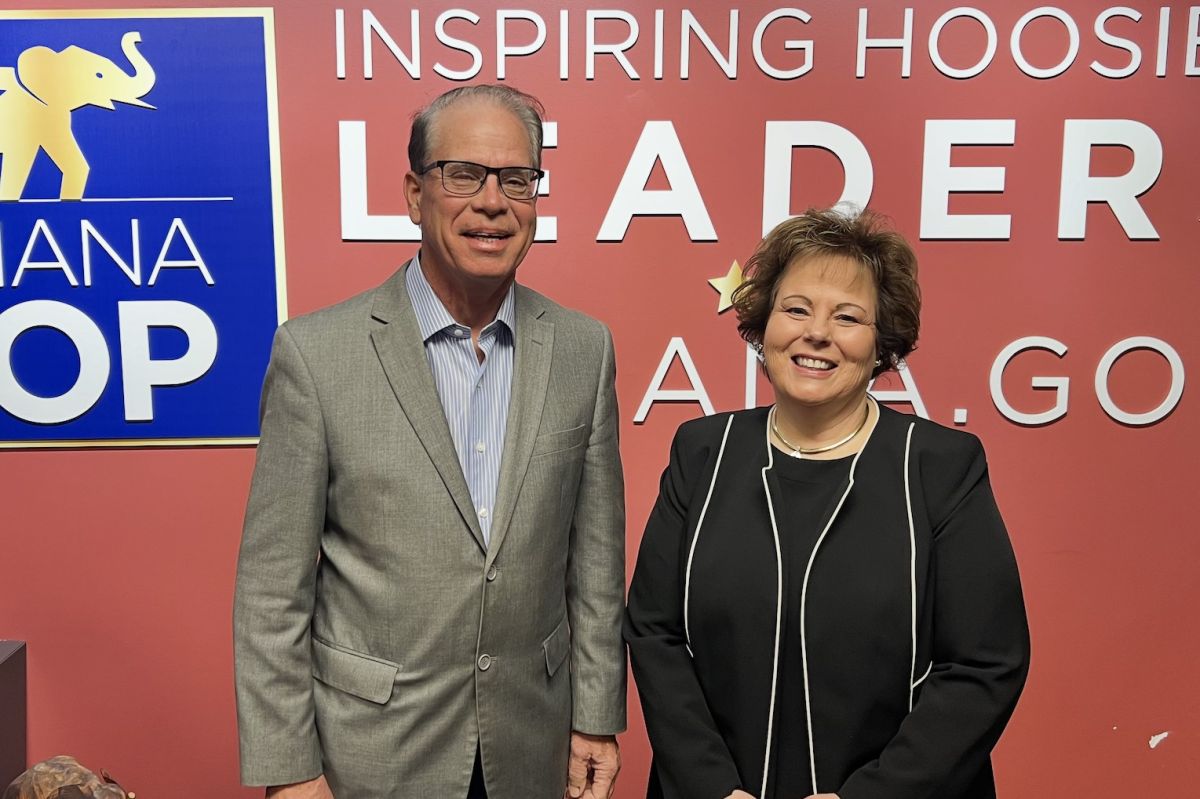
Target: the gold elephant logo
pixel 36 101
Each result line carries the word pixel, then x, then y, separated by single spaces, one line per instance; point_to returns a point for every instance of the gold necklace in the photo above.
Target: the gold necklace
pixel 798 451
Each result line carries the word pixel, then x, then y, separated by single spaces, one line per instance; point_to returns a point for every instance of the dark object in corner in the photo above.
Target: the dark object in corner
pixel 12 717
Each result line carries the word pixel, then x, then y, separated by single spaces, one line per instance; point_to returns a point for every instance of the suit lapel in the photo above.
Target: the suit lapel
pixel 533 347
pixel 402 353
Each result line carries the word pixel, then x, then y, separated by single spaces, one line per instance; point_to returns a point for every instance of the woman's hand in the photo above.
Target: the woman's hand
pixel 739 795
pixel 823 796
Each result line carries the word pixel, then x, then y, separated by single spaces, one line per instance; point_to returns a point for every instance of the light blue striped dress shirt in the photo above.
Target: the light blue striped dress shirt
pixel 474 394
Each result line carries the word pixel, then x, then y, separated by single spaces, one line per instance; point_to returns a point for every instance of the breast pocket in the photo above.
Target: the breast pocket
pixel 554 471
pixel 560 440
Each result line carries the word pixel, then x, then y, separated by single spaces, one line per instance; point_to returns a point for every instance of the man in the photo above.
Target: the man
pixel 432 570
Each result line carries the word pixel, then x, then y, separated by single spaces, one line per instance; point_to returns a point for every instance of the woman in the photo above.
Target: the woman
pixel 826 602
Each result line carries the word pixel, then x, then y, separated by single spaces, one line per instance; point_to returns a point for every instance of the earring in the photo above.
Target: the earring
pixel 758 352
pixel 878 362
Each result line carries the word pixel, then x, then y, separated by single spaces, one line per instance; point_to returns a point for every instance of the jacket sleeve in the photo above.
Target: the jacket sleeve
pixel 273 602
pixel 596 570
pixel 691 759
pixel 980 646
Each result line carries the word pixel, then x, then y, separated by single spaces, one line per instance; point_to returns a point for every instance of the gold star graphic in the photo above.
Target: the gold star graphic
pixel 731 280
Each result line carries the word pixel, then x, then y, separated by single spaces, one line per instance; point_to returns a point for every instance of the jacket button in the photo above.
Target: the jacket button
pixel 492 573
pixel 485 662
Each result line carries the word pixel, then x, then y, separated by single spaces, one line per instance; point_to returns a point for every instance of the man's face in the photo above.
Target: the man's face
pixel 478 241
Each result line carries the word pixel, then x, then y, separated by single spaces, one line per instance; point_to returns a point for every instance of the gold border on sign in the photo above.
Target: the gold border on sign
pixel 267 15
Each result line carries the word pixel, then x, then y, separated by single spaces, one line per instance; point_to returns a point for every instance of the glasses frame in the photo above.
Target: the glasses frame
pixel 487 170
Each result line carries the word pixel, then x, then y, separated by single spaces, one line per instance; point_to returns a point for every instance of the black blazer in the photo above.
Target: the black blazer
pixel 915 634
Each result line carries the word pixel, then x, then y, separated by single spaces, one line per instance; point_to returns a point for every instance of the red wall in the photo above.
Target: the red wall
pixel 118 565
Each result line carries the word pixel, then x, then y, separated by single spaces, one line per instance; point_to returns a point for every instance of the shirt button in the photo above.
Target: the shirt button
pixel 492 573
pixel 483 513
pixel 485 662
pixel 479 447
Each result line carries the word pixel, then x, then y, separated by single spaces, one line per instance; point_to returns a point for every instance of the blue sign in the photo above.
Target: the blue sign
pixel 141 244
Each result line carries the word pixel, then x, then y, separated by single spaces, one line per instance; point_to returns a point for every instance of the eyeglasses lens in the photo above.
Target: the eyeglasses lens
pixel 466 179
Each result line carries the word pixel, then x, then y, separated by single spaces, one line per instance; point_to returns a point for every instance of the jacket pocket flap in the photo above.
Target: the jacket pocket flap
pixel 560 440
pixel 361 675
pixel 556 646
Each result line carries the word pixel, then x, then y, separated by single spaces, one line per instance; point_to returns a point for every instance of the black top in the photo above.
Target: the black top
pixel 809 489
pixel 914 626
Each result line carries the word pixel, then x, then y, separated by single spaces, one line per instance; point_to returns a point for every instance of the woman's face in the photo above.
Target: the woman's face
pixel 819 344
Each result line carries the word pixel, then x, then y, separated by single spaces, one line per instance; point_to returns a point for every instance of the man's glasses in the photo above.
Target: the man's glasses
pixel 465 178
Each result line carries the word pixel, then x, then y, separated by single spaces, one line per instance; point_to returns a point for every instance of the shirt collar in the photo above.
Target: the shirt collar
pixel 432 316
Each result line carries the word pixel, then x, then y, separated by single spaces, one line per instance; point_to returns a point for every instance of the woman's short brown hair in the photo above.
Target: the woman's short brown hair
pixel 863 237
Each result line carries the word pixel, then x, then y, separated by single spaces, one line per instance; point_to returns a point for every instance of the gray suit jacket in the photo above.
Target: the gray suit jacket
pixel 375 638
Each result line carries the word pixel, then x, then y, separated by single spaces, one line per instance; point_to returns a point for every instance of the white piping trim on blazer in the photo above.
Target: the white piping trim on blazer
pixel 812 756
pixel 928 671
pixel 812 750
pixel 912 567
pixel 778 606
pixel 687 577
